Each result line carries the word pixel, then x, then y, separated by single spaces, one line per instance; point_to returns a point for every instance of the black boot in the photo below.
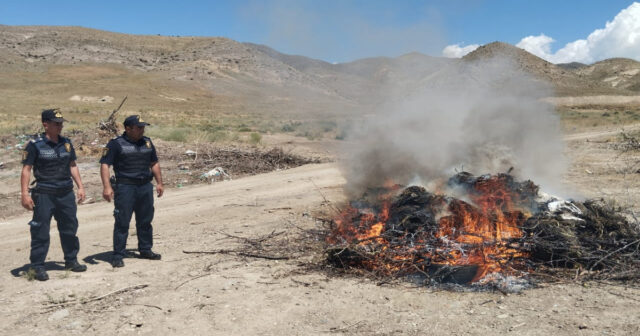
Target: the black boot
pixel 148 254
pixel 74 266
pixel 39 273
pixel 117 262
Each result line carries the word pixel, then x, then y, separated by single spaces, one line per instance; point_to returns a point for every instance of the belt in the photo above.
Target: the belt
pixel 124 180
pixel 51 191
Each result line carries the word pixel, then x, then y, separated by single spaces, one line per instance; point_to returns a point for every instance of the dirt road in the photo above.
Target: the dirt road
pixel 608 132
pixel 187 294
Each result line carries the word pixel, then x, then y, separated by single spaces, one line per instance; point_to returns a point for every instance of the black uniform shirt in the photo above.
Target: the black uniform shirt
pixel 51 161
pixel 130 159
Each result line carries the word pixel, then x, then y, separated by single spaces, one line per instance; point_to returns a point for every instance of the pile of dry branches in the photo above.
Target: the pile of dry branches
pixel 237 161
pixel 629 143
pixel 596 242
pixel 601 243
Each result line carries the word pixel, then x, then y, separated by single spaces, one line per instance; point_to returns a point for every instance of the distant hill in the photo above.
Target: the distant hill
pixel 619 73
pixel 41 65
pixel 565 80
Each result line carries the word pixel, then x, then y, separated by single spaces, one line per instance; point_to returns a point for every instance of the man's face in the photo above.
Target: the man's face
pixel 135 132
pixel 52 127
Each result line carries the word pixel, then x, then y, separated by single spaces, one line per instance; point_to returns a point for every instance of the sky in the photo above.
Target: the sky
pixel 336 31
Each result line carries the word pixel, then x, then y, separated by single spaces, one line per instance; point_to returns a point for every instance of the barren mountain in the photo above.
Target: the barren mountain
pixel 620 73
pixel 49 65
pixel 565 81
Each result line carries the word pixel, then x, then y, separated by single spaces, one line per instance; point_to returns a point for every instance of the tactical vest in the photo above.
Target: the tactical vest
pixel 52 165
pixel 134 159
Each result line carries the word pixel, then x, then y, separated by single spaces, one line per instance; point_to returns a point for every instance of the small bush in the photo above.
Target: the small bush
pixel 30 274
pixel 291 126
pixel 177 134
pixel 288 128
pixel 218 136
pixel 255 138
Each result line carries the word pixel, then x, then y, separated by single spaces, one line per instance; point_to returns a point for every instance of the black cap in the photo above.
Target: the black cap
pixel 52 115
pixel 135 120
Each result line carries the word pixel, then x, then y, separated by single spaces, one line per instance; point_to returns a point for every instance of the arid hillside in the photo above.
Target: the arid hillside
pixel 74 68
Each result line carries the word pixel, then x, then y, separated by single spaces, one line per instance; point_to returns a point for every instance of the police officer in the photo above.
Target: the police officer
pixel 135 162
pixel 53 160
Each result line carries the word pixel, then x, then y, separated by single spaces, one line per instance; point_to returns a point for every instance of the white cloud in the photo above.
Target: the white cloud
pixel 537 45
pixel 456 51
pixel 619 38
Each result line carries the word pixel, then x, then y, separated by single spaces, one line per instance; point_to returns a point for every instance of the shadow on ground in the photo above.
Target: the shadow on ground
pixel 107 256
pixel 49 266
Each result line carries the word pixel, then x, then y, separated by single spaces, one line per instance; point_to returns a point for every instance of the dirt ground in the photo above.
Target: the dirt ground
pixel 227 294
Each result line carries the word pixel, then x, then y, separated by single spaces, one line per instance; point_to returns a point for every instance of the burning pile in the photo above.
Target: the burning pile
pixel 497 227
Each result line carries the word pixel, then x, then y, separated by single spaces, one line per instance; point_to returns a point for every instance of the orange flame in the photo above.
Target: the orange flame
pixel 477 233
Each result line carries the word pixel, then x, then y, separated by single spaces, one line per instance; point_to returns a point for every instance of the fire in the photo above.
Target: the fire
pixel 424 231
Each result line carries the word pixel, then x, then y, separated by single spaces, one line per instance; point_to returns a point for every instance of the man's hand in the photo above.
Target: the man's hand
pixel 27 202
pixel 107 193
pixel 160 189
pixel 81 195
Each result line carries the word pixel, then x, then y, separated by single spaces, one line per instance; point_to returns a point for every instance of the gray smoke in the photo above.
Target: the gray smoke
pixel 483 118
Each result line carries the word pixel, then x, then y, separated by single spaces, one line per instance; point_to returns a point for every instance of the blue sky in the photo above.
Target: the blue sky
pixel 339 31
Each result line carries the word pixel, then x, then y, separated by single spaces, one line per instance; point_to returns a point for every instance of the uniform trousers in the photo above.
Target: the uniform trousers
pixel 63 208
pixel 129 199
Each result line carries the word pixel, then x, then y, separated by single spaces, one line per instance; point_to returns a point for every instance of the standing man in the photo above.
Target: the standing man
pixel 53 160
pixel 135 163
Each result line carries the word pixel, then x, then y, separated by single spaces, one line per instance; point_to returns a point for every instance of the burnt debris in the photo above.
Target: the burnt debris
pixel 497 228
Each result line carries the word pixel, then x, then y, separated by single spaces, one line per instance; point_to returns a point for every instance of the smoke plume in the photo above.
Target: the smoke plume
pixel 484 117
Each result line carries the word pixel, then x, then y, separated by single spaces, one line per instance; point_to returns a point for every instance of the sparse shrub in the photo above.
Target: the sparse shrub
pixel 255 138
pixel 343 130
pixel 218 136
pixel 310 135
pixel 291 126
pixel 177 134
pixel 327 125
pixel 168 133
pixel 211 127
pixel 244 129
pixel 287 128
pixel 30 274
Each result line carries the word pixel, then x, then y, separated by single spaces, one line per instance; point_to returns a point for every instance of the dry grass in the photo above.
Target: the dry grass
pixel 587 117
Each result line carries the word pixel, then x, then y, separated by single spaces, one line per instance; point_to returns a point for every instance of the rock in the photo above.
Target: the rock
pixel 75 325
pixel 59 315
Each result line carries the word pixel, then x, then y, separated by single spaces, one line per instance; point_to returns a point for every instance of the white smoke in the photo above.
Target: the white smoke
pixel 483 117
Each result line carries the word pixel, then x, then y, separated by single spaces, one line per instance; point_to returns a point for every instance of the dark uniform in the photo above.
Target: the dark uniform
pixel 52 196
pixel 133 191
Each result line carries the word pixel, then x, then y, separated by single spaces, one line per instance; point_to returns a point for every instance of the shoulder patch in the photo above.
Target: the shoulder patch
pixel 67 146
pixel 147 143
pixel 105 151
pixel 24 155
